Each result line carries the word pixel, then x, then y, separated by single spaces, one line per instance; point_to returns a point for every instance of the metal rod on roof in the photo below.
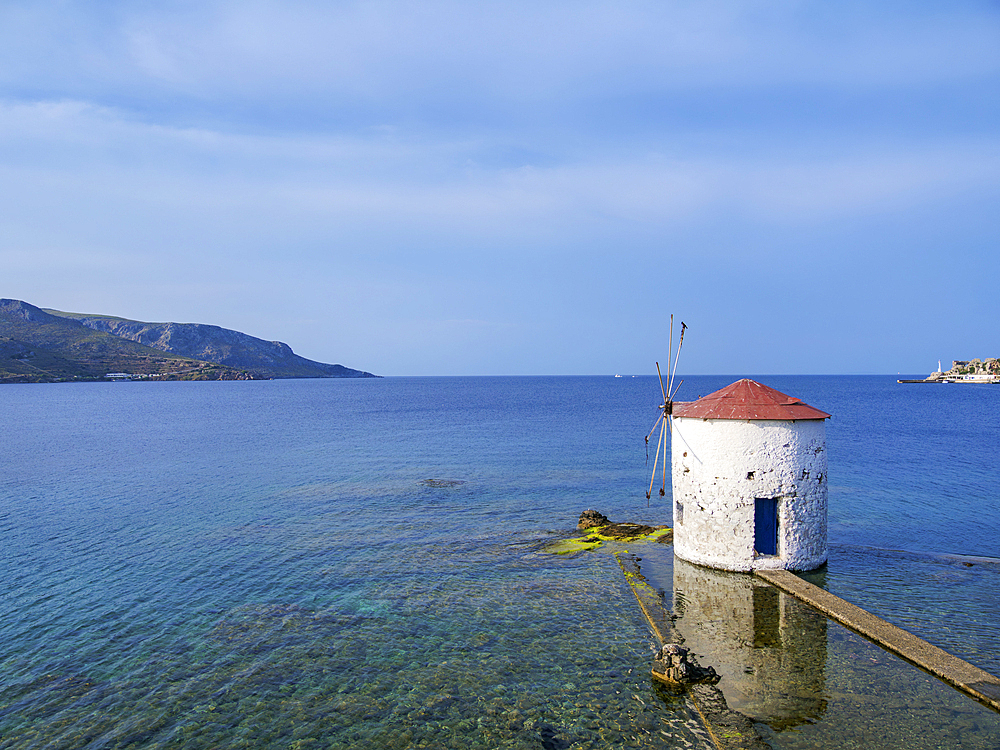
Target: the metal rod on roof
pixel 670 343
pixel 656 460
pixel 663 469
pixel 663 445
pixel 653 429
pixel 670 381
pixel 675 391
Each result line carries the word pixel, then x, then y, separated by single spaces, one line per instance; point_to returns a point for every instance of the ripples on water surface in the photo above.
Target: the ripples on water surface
pixel 266 564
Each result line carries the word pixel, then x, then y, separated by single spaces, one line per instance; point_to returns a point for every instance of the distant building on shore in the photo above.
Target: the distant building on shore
pixel 963 371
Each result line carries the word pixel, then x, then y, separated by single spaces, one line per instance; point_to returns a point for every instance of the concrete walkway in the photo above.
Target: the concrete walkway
pixel 970 679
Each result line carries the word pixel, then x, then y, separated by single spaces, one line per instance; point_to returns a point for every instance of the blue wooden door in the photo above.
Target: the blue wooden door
pixel 765 525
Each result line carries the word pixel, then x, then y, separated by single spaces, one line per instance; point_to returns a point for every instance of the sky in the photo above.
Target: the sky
pixel 515 188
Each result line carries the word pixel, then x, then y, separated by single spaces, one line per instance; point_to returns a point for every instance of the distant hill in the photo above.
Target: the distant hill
pixel 39 345
pixel 264 359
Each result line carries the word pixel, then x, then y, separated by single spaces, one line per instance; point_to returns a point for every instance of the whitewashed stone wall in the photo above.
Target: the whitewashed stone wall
pixel 720 466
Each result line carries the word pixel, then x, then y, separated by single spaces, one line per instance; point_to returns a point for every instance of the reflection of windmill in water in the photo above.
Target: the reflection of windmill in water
pixel 770 648
pixel 666 410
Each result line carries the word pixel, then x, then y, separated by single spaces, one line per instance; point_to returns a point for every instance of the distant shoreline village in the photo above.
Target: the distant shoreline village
pixel 971 371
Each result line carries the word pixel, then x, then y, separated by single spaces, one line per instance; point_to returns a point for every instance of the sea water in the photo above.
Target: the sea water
pixel 334 563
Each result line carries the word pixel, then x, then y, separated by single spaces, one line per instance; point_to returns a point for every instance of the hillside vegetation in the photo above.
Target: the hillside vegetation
pixel 39 345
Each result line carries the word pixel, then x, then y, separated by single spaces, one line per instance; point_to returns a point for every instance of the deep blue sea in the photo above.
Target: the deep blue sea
pixel 344 563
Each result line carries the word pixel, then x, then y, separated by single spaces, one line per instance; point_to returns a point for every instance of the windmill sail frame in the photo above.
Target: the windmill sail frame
pixel 664 420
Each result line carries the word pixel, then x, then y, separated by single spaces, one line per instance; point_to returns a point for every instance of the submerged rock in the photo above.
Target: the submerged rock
pixel 442 483
pixel 675 664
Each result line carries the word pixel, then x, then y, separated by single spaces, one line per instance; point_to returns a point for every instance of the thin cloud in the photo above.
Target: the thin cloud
pixel 412 58
pixel 338 184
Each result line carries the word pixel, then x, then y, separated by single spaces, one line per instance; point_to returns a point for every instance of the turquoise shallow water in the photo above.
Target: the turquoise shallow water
pixel 265 564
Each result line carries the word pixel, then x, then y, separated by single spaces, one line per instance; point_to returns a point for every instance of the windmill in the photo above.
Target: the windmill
pixel 666 410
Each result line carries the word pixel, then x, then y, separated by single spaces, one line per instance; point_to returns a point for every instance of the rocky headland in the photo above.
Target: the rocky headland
pixel 43 345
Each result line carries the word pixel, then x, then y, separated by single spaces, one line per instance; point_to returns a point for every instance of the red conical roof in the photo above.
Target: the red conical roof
pixel 747 399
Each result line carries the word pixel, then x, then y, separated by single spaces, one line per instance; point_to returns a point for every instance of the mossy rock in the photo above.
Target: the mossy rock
pixel 567 546
pixel 612 532
pixel 623 532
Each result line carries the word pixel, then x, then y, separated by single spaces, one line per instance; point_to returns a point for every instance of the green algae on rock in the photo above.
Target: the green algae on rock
pixel 567 546
pixel 612 532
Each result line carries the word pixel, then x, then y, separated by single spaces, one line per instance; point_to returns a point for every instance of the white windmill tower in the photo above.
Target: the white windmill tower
pixel 748 476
